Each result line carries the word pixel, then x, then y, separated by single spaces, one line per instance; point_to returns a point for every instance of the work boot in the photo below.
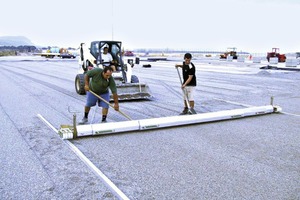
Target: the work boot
pixel 83 121
pixel 104 118
pixel 184 112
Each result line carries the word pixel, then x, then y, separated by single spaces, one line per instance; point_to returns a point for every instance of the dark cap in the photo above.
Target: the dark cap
pixel 188 55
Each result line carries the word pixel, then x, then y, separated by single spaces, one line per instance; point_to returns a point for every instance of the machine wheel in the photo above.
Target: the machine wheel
pixel 79 84
pixel 134 79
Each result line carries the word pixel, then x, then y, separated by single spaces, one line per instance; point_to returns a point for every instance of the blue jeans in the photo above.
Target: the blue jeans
pixel 91 100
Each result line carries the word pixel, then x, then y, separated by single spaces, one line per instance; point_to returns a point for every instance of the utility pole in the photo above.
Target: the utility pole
pixel 112 17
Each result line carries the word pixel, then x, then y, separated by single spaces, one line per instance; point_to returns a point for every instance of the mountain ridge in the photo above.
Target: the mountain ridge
pixel 15 41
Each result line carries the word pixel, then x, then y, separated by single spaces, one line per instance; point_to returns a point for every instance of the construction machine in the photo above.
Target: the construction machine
pixel 275 53
pixel 128 85
pixel 231 51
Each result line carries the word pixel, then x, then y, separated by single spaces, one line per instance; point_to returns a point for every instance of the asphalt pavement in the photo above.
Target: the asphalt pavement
pixel 249 158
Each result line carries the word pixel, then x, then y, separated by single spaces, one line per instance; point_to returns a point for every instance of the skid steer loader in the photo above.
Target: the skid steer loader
pixel 128 85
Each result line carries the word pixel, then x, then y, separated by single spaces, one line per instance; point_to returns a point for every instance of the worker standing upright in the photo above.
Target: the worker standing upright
pixel 189 82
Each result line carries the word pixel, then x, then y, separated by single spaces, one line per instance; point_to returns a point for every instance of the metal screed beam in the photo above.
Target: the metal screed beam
pixel 70 132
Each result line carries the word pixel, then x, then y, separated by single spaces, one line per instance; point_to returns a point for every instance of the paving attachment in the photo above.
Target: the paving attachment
pixel 133 91
pixel 75 131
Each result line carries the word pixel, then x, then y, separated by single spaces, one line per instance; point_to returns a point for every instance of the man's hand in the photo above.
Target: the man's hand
pixel 116 107
pixel 86 88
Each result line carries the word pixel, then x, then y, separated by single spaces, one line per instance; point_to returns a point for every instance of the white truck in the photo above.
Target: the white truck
pixel 57 52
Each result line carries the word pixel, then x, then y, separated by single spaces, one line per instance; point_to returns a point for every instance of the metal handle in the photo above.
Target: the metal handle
pixel 109 104
pixel 183 90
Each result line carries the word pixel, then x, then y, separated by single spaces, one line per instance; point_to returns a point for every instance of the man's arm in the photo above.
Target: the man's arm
pixel 116 105
pixel 178 65
pixel 86 82
pixel 113 88
pixel 188 81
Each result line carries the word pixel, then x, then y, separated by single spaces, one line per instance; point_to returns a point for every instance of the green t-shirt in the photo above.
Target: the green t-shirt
pixel 99 84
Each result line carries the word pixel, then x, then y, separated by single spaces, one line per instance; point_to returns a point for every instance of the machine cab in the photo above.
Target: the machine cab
pixel 114 48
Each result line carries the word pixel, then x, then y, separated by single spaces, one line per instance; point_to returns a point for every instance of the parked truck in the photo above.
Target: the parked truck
pixel 52 52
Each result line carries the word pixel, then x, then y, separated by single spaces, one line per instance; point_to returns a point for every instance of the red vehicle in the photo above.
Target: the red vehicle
pixel 231 51
pixel 128 53
pixel 275 53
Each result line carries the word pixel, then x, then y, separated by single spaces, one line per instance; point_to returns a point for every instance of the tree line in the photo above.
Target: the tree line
pixel 23 48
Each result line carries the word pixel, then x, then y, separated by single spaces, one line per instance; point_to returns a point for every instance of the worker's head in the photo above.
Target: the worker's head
pixel 187 58
pixel 105 50
pixel 107 72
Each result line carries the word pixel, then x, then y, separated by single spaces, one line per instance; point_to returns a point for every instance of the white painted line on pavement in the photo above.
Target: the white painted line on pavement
pixel 295 115
pixel 104 178
pixel 246 105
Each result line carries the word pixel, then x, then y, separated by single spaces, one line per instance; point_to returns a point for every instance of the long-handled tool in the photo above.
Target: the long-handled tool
pixel 110 104
pixel 190 110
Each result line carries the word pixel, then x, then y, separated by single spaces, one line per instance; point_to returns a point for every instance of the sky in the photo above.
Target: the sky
pixel 248 25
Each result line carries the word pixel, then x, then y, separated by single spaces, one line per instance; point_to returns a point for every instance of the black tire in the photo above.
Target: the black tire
pixel 134 79
pixel 79 84
pixel 147 65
